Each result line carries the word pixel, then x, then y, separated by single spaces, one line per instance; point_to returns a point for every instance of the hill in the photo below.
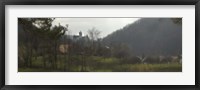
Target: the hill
pixel 149 36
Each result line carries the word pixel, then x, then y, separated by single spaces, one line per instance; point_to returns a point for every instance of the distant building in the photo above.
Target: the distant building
pixel 68 40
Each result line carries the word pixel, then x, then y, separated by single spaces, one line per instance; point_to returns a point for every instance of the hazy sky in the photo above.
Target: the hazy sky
pixel 104 25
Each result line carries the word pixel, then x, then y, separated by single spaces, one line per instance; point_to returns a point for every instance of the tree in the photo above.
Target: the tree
pixel 29 30
pixel 120 50
pixel 41 35
pixel 55 33
pixel 38 34
pixel 94 35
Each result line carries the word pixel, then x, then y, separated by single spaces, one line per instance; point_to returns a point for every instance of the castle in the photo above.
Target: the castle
pixel 67 40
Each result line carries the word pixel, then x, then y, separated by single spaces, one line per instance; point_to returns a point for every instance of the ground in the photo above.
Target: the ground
pixel 99 64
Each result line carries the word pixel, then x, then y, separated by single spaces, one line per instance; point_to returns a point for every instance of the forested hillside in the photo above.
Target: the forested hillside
pixel 149 36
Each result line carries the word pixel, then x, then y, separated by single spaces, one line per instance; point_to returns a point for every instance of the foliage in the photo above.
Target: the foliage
pixel 39 51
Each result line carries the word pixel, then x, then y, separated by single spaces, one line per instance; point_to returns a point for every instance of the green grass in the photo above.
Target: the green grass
pixel 173 67
pixel 100 64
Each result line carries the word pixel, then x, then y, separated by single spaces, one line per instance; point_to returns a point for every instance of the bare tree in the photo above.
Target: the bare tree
pixel 93 34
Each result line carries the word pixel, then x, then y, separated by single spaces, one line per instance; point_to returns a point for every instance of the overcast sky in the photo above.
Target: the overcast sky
pixel 104 25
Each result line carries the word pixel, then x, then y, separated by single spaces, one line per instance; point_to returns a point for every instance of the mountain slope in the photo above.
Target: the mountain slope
pixel 149 36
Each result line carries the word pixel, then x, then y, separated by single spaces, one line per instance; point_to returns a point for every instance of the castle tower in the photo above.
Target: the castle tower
pixel 80 34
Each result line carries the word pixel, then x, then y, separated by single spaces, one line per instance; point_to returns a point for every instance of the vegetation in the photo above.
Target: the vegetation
pixel 46 48
pixel 99 64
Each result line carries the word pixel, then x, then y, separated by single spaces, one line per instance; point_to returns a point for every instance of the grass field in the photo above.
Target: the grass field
pixel 99 64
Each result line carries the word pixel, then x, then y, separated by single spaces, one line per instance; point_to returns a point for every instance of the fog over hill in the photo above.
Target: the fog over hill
pixel 149 36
